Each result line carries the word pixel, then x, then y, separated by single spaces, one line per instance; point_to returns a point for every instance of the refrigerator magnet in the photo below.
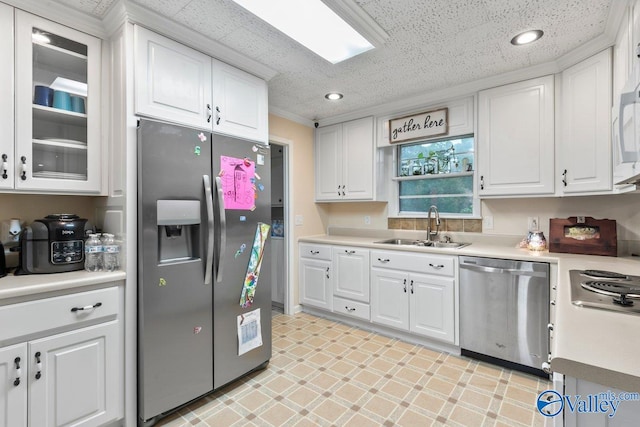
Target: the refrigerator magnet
pixel 197 150
pixel 202 137
pixel 255 262
pixel 241 250
pixel 260 159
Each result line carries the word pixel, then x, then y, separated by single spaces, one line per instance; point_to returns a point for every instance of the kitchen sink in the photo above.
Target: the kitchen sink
pixel 413 242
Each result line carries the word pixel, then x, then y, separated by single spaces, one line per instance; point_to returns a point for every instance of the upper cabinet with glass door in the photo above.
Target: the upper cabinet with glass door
pixel 58 126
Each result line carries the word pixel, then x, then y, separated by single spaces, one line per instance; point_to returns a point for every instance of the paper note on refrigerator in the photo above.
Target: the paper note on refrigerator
pixel 237 187
pixel 255 261
pixel 249 331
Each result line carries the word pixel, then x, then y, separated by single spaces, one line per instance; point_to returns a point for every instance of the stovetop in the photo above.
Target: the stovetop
pixel 605 290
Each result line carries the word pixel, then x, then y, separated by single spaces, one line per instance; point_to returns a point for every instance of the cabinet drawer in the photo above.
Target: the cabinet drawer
pixel 34 317
pixel 351 308
pixel 315 251
pixel 440 265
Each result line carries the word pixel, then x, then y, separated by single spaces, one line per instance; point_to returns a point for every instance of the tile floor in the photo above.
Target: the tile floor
pixel 325 373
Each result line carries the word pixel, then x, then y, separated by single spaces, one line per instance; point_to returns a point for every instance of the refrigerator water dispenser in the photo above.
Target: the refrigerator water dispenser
pixel 178 230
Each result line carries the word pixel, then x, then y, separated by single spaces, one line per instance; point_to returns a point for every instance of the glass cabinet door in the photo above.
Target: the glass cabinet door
pixel 57 107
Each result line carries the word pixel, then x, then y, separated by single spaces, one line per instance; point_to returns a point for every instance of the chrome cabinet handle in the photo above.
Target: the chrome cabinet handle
pixel 349 309
pixel 343 189
pixel 327 272
pixel 437 267
pixel 349 252
pixel 209 114
pixel 412 286
pixel 5 166
pixel 564 177
pixel 314 252
pixel 550 327
pixel 404 284
pixel 338 190
pixel 482 182
pixel 552 302
pixel 384 260
pixel 218 117
pixel 86 307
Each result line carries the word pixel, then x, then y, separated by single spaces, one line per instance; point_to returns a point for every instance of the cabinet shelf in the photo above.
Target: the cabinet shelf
pixel 431 176
pixel 40 112
pixel 59 59
pixel 44 143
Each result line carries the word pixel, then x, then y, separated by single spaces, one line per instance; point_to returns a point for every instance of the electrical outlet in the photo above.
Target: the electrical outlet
pixel 532 223
pixel 367 220
pixel 487 222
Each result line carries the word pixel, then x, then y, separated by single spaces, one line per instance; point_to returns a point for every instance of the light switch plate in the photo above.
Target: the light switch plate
pixel 487 222
pixel 299 220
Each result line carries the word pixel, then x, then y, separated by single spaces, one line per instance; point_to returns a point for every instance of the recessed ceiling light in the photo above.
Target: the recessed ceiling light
pixel 312 24
pixel 334 96
pixel 527 37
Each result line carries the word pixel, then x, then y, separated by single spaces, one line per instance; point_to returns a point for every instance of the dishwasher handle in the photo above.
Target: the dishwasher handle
pixel 513 271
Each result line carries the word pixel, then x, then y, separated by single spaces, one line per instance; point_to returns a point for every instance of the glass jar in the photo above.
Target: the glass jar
pixel 537 241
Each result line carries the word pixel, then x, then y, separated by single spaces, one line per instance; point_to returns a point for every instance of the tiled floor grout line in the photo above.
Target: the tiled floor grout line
pixel 325 373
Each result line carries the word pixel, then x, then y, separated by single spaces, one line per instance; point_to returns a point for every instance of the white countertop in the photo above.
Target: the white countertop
pixel 31 285
pixel 597 345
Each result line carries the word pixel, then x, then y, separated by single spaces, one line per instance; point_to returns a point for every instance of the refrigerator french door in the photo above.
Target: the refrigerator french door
pixel 202 200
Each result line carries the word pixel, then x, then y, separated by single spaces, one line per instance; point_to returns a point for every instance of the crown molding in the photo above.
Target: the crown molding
pixel 162 25
pixel 290 116
pixel 62 14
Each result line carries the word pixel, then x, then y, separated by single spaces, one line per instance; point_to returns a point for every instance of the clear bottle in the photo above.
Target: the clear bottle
pixel 110 253
pixel 93 253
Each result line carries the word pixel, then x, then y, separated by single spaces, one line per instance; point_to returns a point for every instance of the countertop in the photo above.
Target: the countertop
pixel 597 345
pixel 35 285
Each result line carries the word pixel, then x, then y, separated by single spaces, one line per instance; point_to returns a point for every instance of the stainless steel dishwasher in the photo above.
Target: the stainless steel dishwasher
pixel 504 312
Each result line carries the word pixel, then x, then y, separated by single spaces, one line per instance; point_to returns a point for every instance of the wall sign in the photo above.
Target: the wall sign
pixel 419 126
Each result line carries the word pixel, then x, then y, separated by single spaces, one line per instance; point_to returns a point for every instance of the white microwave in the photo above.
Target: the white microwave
pixel 626 132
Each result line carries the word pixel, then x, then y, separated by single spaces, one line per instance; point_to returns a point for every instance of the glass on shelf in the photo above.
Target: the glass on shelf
pixel 59 80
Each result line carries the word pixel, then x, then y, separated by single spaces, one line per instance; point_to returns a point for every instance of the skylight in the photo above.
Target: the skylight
pixel 312 24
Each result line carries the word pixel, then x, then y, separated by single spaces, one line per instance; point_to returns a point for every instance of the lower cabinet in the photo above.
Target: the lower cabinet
pixel 417 302
pixel 316 283
pixel 412 292
pixel 581 410
pixel 68 378
pixel 351 287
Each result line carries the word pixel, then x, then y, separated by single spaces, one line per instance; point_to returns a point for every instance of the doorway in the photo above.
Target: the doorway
pixel 278 226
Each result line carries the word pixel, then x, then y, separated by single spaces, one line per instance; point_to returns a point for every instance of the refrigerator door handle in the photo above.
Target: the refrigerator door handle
pixel 223 229
pixel 209 202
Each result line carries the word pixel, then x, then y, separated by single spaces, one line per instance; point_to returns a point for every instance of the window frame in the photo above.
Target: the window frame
pixel 394 182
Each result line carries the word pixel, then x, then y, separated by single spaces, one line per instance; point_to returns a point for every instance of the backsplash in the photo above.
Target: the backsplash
pixel 457 225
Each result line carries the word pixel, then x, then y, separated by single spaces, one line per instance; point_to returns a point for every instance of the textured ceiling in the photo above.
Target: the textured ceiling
pixel 432 45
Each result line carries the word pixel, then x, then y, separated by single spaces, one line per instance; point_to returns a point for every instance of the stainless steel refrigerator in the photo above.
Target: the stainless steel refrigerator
pixel 203 220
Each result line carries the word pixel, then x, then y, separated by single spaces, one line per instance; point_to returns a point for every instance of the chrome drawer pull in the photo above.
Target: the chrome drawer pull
pixel 349 252
pixel 87 307
pixel 314 252
pixel 18 371
pixel 384 260
pixel 349 309
pixel 439 266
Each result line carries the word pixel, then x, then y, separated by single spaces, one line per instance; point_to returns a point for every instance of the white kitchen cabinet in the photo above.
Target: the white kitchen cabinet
pixel 172 81
pixel 516 139
pixel 351 273
pixel 584 152
pixel 415 292
pixel 56 149
pixel 351 287
pixel 345 167
pixel 240 103
pixel 7 141
pixel 627 413
pixel 67 371
pixel 13 385
pixel 316 277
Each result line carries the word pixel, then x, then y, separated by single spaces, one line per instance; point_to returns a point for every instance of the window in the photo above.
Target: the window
pixel 437 173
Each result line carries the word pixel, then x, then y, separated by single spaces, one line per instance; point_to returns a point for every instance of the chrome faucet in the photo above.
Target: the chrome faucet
pixel 430 233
